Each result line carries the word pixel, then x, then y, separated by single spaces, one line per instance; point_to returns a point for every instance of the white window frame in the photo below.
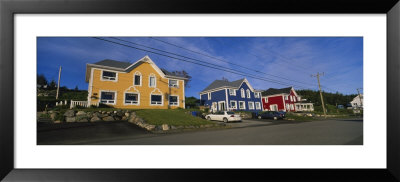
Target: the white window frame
pixel 242 94
pixel 230 104
pixel 177 100
pixel 138 101
pixel 214 106
pixel 233 93
pixel 286 97
pixel 162 100
pixel 209 95
pixel 244 105
pixel 116 76
pixel 294 98
pixel 141 78
pixel 258 105
pixel 266 99
pixel 219 108
pixel 175 86
pixel 252 103
pixel 291 98
pixel 248 93
pixel 272 105
pixel 291 107
pixel 115 97
pixel 256 95
pixel 155 81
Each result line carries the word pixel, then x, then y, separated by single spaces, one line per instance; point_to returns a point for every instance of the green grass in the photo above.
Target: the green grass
pixel 299 118
pixel 175 117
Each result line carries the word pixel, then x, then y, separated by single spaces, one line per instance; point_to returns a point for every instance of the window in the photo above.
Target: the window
pixel 108 75
pixel 156 99
pixel 209 95
pixel 291 98
pixel 173 100
pixel 256 95
pixel 138 80
pixel 287 107
pixel 173 83
pixel 242 105
pixel 248 93
pixel 258 105
pixel 242 92
pixel 214 106
pixel 107 97
pixel 266 100
pixel 232 92
pixel 233 104
pixel 286 97
pixel 294 98
pixel 291 107
pixel 131 98
pixel 251 105
pixel 152 81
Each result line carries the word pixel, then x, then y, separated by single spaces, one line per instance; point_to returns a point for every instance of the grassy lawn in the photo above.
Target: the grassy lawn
pixel 170 117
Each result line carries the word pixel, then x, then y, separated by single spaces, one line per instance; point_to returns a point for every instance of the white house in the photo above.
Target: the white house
pixel 357 102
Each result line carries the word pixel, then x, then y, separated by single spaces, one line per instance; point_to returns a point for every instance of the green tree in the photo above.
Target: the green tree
pixel 41 80
pixel 184 74
pixel 52 85
pixel 191 102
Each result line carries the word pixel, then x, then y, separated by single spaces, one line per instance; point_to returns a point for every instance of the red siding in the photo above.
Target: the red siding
pixel 280 101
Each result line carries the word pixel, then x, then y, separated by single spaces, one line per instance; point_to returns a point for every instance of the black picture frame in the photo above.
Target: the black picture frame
pixel 8 8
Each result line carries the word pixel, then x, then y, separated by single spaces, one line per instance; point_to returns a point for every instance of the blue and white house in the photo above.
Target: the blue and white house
pixel 239 95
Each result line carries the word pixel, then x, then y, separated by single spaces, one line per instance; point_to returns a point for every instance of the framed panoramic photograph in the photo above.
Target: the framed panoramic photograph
pixel 119 91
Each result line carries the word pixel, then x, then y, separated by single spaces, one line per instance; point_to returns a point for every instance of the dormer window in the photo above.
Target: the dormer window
pixel 108 75
pixel 173 83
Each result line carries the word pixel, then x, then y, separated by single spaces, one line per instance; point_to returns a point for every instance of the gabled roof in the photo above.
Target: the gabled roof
pixel 227 84
pixel 274 91
pixel 127 67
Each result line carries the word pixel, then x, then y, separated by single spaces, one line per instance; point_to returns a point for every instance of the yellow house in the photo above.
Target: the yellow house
pixel 139 85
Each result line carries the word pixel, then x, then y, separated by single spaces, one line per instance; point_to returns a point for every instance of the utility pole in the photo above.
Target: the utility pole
pixel 359 96
pixel 58 85
pixel 320 92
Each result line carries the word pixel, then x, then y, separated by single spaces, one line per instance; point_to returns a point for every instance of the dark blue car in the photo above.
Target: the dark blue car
pixel 270 115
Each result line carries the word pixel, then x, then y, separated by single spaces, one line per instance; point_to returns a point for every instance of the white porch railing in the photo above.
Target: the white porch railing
pixel 82 103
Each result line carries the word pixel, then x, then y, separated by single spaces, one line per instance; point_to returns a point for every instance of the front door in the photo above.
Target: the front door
pixel 222 106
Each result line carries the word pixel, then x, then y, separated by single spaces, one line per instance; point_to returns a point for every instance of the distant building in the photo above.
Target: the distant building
pixel 357 103
pixel 223 95
pixel 284 99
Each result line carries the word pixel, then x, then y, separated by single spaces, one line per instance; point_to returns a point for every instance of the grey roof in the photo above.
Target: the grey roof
pixel 170 73
pixel 223 83
pixel 113 63
pixel 273 91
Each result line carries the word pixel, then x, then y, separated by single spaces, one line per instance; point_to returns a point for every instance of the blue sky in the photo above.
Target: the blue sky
pixel 286 60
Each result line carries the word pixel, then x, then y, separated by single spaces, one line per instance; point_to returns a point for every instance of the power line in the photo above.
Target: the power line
pixel 218 59
pixel 217 68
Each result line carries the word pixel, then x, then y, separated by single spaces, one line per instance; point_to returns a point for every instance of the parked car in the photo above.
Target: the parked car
pixel 270 115
pixel 225 116
pixel 283 113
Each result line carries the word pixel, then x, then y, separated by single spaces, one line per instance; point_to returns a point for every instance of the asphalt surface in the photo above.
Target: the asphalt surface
pixel 248 132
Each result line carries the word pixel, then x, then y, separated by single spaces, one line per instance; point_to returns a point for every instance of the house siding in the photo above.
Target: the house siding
pixel 124 84
pixel 280 100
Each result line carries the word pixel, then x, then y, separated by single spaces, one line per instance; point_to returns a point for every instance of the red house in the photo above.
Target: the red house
pixel 280 99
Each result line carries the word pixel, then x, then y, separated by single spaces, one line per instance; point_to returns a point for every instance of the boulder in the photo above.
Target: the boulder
pixel 127 114
pixel 124 118
pixel 69 113
pixel 95 119
pixel 150 127
pixel 108 118
pixel 82 119
pixel 165 127
pixel 80 113
pixel 58 121
pixel 120 114
pixel 173 127
pixel 96 114
pixel 117 118
pixel 53 116
pixel 70 119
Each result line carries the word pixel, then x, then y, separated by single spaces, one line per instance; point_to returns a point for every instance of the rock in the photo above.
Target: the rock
pixel 124 118
pixel 165 127
pixel 53 116
pixel 150 127
pixel 95 119
pixel 83 119
pixel 120 113
pixel 108 118
pixel 69 113
pixel 80 113
pixel 139 120
pixel 70 119
pixel 173 127
pixel 103 112
pixel 190 127
pixel 51 112
pixel 58 121
pixel 208 125
pixel 96 114
pixel 117 118
pixel 127 114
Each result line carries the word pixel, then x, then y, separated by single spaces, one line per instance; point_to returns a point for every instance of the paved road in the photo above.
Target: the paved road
pixel 253 132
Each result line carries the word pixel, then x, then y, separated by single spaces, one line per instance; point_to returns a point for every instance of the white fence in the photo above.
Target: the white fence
pixel 82 103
